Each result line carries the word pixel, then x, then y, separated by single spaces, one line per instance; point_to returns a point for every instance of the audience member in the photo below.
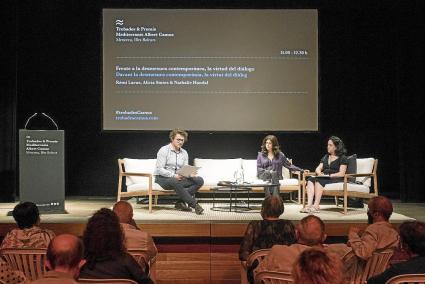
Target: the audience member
pixel 310 232
pixel 10 276
pixel 28 234
pixel 105 251
pixel 269 231
pixel 412 236
pixel 315 266
pixel 64 260
pixel 134 237
pixel 379 234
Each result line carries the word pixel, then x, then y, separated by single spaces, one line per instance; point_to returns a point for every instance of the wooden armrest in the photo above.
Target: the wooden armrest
pixel 307 174
pixel 359 175
pixel 297 173
pixel 137 174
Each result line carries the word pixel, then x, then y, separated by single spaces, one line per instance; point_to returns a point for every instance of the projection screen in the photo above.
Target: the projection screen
pixel 210 70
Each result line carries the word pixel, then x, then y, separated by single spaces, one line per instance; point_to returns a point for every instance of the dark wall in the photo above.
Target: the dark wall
pixel 371 82
pixel 8 102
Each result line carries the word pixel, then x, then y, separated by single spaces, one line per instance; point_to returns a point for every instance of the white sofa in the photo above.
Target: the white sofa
pixel 139 179
pixel 215 170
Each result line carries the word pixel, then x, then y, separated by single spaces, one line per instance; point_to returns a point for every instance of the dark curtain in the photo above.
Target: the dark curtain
pixel 8 102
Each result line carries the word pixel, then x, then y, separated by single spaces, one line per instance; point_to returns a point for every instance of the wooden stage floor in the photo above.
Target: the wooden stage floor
pixel 164 221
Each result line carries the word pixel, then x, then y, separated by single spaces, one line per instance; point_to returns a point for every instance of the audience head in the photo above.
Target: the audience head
pixel 26 215
pixel 124 211
pixel 65 253
pixel 272 207
pixel 412 235
pixel 274 144
pixel 335 144
pixel 380 208
pixel 315 266
pixel 103 237
pixel 311 231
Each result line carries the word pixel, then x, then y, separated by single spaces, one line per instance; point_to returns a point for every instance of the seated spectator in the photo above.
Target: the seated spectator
pixel 310 233
pixel 105 251
pixel 28 234
pixel 269 231
pixel 379 234
pixel 134 237
pixel 64 260
pixel 315 266
pixel 412 236
pixel 10 276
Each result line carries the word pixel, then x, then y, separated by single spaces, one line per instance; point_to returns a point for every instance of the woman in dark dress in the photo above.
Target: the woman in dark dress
pixel 268 232
pixel 331 169
pixel 105 252
pixel 270 162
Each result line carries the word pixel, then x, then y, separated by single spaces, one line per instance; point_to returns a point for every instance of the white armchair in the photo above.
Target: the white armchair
pixel 139 178
pixel 361 188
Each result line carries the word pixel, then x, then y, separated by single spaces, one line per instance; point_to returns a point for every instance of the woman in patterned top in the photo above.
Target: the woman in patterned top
pixel 267 232
pixel 29 234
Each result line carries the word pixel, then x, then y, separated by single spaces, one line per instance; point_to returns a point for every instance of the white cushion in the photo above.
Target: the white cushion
pixel 215 170
pixel 365 166
pixel 143 186
pixel 350 187
pixel 289 181
pixel 139 166
pixel 249 170
pixel 285 173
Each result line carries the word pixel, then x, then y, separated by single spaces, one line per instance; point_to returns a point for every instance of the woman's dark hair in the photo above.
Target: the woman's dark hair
pixel 340 148
pixel 275 144
pixel 26 215
pixel 272 206
pixel 103 237
pixel 412 234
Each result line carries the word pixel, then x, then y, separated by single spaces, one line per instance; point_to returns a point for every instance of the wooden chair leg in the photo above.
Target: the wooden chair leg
pixel 150 202
pixel 345 203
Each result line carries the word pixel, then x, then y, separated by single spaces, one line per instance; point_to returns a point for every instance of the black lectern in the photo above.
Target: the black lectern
pixel 42 169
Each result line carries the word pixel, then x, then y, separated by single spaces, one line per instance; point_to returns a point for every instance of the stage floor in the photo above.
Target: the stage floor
pixel 210 224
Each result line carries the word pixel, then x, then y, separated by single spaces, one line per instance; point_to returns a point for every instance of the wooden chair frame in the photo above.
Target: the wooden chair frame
pixel 274 277
pixel 141 258
pixel 106 281
pixel 344 191
pixel 375 265
pixel 29 261
pixel 407 279
pixel 152 193
pixel 245 265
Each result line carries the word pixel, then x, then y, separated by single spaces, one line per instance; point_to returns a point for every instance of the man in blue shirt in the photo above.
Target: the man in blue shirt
pixel 170 159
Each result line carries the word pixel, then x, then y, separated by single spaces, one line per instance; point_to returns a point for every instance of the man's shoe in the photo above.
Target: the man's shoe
pixel 182 206
pixel 198 209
